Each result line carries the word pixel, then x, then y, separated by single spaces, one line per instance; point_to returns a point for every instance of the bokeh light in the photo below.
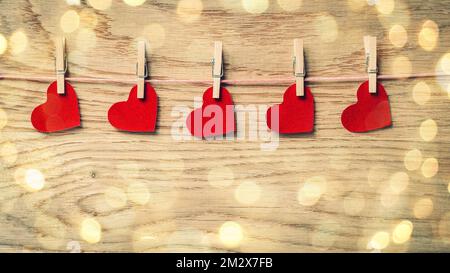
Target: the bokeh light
pixel 231 234
pixel 379 241
pixel 326 28
pixel 247 192
pixel 189 10
pixel 385 7
pixel 311 191
pixel 73 2
pixel 34 180
pixel 155 34
pixel 445 63
pixel 3 118
pixel 423 208
pixel 9 153
pixel 399 181
pixel 115 197
pixel 413 160
pixel 134 3
pixel 100 4
pixel 430 167
pixel 138 193
pixel 70 21
pixel 421 93
pixel 18 42
pixel 290 5
pixel 402 232
pixel 428 35
pixel 428 130
pixel 398 36
pixel 255 6
pixel 402 66
pixel 388 197
pixel 91 230
pixel 3 44
pixel 221 177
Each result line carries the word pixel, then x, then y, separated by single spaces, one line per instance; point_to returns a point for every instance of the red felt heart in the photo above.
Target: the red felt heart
pixel 370 112
pixel 135 115
pixel 59 112
pixel 295 114
pixel 215 117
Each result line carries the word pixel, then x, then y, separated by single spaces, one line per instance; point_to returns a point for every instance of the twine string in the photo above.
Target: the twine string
pixel 260 81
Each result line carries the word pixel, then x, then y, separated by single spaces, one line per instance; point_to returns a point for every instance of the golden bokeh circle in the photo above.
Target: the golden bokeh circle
pixel 398 36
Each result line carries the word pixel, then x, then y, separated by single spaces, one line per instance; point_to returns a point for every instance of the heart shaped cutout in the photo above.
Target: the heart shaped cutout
pixel 135 115
pixel 214 118
pixel 294 115
pixel 370 112
pixel 59 112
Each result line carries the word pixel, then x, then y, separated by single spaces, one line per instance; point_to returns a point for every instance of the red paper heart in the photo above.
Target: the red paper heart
pixel 370 112
pixel 135 115
pixel 214 118
pixel 59 112
pixel 295 114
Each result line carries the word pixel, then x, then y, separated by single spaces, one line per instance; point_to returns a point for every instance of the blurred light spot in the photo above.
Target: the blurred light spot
pixel 430 167
pixel 379 241
pixel 247 193
pixel 70 21
pixel 146 238
pixel 18 42
pixel 73 2
pixel 421 93
pixel 134 3
pixel 385 6
pixel 88 18
pixel 445 63
pixel 326 28
pixel 100 4
pixel 86 39
pixel 155 34
pixel 255 6
pixel 115 197
pixel 231 234
pixel 9 153
pixel 311 191
pixel 290 5
pixel 399 181
pixel 413 160
pixel 356 5
pixel 428 130
pixel 3 44
pixel 402 66
pixel 34 180
pixel 448 187
pixel 3 118
pixel 221 177
pixel 189 10
pixel 423 208
pixel 354 203
pixel 388 198
pixel 398 36
pixel 444 228
pixel 402 232
pixel 138 193
pixel 91 231
pixel 429 35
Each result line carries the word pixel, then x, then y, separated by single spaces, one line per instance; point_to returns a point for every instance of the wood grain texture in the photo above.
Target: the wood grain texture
pixel 94 171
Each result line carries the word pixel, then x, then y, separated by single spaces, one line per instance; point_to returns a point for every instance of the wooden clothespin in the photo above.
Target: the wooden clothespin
pixel 142 70
pixel 299 67
pixel 217 72
pixel 61 64
pixel 370 45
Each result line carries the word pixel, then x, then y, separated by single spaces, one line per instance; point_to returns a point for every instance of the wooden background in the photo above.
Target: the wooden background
pixel 152 192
